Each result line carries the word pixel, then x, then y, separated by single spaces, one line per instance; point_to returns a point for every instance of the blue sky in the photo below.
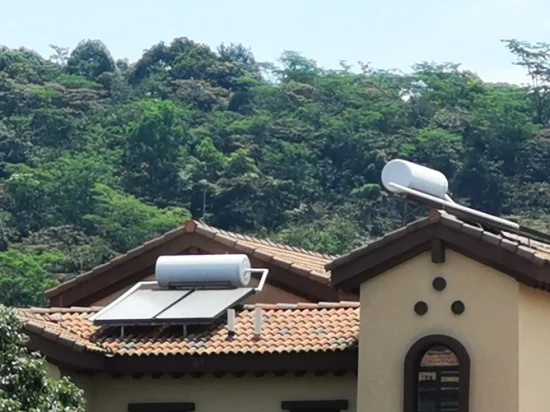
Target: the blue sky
pixel 388 34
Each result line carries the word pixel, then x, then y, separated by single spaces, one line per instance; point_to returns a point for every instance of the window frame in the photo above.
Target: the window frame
pixel 162 407
pixel 412 368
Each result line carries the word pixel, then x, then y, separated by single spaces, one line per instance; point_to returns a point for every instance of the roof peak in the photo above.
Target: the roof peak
pixel 193 224
pixel 527 260
pixel 303 263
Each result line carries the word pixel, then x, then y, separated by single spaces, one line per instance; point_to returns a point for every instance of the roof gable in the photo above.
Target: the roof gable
pixel 294 269
pixel 526 260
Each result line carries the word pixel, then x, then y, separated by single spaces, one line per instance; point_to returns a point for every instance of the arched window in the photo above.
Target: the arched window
pixel 437 376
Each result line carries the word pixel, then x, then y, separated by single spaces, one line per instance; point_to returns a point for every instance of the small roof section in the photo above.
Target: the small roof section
pixel 326 333
pixel 286 328
pixel 308 268
pixel 527 260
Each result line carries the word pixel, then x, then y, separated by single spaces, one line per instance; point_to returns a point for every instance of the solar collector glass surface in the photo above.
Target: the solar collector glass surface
pixel 204 305
pixel 142 305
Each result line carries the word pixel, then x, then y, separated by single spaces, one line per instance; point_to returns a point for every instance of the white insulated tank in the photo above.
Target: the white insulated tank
pixel 416 177
pixel 203 270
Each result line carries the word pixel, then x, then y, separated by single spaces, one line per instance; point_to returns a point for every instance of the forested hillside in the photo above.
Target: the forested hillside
pixel 98 155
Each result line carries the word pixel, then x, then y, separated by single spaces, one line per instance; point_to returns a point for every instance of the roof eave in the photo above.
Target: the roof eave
pixel 85 361
pixel 378 243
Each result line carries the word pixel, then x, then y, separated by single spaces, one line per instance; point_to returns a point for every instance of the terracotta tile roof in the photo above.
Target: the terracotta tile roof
pixel 539 249
pixel 533 250
pixel 270 251
pixel 439 358
pixel 303 327
pixel 299 261
pixel 67 326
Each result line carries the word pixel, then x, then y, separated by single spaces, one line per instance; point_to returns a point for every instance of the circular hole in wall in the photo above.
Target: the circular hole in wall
pixel 458 307
pixel 421 308
pixel 439 284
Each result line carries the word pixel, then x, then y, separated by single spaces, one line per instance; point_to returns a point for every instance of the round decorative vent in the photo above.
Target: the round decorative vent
pixel 458 307
pixel 421 308
pixel 439 284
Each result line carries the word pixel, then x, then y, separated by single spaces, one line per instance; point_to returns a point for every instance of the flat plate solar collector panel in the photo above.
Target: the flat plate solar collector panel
pixel 204 305
pixel 150 305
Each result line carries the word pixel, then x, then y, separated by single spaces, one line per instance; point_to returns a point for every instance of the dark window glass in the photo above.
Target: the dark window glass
pixel 314 410
pixel 438 381
pixel 315 406
pixel 161 407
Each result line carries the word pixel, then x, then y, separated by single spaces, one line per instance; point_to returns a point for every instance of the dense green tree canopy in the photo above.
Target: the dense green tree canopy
pixel 24 385
pixel 99 155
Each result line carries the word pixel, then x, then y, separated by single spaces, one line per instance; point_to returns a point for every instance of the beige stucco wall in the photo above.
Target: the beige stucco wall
pixel 88 384
pixel 534 350
pixel 52 371
pixel 488 329
pixel 210 394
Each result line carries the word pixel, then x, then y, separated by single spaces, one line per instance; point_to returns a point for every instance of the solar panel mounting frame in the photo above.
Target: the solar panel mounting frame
pixel 102 317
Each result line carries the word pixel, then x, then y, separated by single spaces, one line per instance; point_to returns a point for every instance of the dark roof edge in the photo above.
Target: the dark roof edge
pixel 226 238
pixel 527 265
pixel 433 217
pixel 84 361
pixel 189 227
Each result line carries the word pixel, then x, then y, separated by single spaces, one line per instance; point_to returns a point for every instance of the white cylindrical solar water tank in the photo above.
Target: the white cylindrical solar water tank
pixel 413 176
pixel 203 270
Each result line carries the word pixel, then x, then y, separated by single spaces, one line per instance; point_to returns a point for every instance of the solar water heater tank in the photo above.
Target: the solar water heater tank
pixel 203 270
pixel 414 176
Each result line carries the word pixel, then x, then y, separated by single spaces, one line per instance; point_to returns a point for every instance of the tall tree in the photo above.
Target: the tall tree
pixel 24 385
pixel 90 59
pixel 535 58
pixel 155 151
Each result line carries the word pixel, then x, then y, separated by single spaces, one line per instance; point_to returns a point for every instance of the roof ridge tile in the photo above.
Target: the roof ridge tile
pixel 302 305
pixel 262 255
pixel 56 309
pixel 472 230
pixel 205 232
pixel 281 262
pixel 241 247
pixel 225 240
pixel 286 306
pixel 378 243
pixel 525 252
pixel 299 269
pixel 451 222
pixel 491 238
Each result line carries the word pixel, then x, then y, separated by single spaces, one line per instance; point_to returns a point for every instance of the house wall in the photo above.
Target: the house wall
pixel 210 394
pixel 534 353
pixel 87 384
pixel 52 371
pixel 488 329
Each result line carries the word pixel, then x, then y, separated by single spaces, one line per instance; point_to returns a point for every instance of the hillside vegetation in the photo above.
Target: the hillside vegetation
pixel 98 155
